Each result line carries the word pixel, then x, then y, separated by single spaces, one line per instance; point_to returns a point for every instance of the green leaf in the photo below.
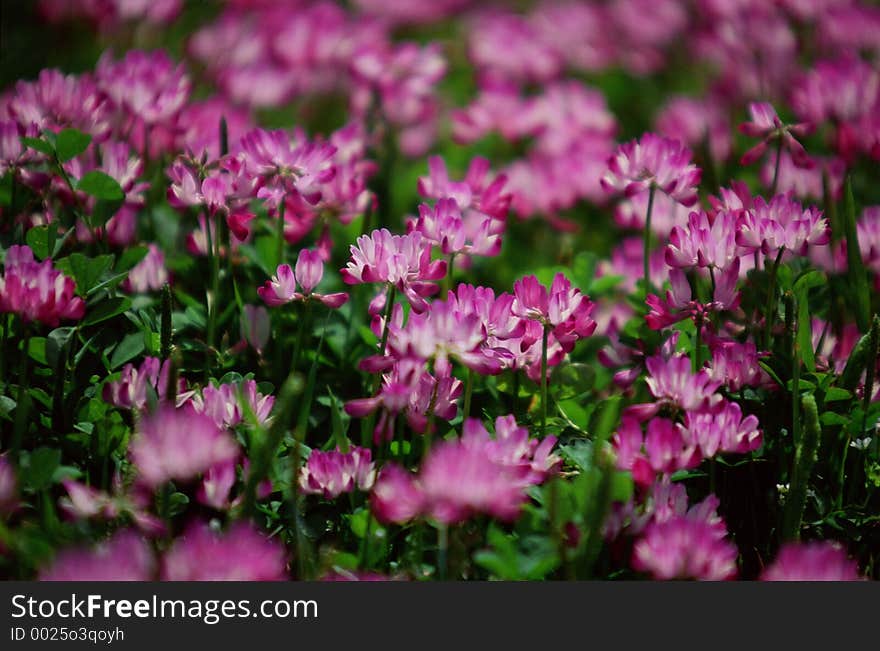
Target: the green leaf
pixel 805 332
pixel 39 145
pixel 104 210
pixel 107 309
pixel 41 467
pixel 101 186
pixel 37 350
pixel 130 258
pixel 85 271
pixel 38 238
pixel 55 343
pixel 860 293
pixel 71 143
pixel 836 393
pixel 126 350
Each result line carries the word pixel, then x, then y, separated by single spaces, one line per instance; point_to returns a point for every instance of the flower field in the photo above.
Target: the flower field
pixel 440 290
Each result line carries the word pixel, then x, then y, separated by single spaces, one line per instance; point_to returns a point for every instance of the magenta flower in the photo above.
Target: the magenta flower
pixel 400 260
pixel 332 473
pixel 238 554
pixel 307 274
pixel 653 161
pixel 563 309
pixel 124 557
pixel 36 291
pixel 479 195
pixel 130 390
pixel 663 449
pixel 765 124
pixel 8 487
pixel 685 547
pixel 513 448
pixel 679 304
pixel 735 364
pixel 86 502
pixel 149 274
pixel 696 121
pixel 396 497
pixel 812 561
pixel 723 429
pixel 178 444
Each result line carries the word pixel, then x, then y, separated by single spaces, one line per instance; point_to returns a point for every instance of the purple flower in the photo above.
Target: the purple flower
pixel 679 304
pixel 332 473
pixel 238 554
pixel 445 228
pixel 225 403
pixel 124 557
pixel 36 291
pixel 735 364
pixel 696 121
pixel 307 274
pixel 812 561
pixel 706 241
pixel 767 227
pixel 130 390
pixel 671 383
pixel 396 497
pixel 178 444
pixel 255 327
pixel 653 161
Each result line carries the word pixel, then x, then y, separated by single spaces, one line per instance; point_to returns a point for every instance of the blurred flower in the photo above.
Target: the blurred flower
pixel 225 404
pixel 255 326
pixel 130 390
pixel 178 444
pixel 124 557
pixel 148 274
pixel 697 122
pixel 765 123
pixel 812 561
pixel 8 487
pixel 723 429
pixel 238 554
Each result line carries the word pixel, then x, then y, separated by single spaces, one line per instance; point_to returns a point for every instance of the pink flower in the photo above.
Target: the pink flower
pixel 812 561
pixel 685 547
pixel 8 487
pixel 307 274
pixel 148 274
pixel 124 557
pixel 36 291
pixel 513 448
pixel 735 364
pixel 130 390
pixel 671 382
pixel 283 166
pixel 765 123
pixel 696 121
pixel 563 309
pixel 86 502
pixel 332 473
pixel 653 161
pixel 723 429
pixel 479 195
pixel 664 449
pixel 459 480
pixel 445 228
pixel 238 554
pixel 178 444
pixel 679 304
pixel 400 260
pixel 396 497
pixel 767 227
pixel 706 241
pixel 225 403
pixel 146 85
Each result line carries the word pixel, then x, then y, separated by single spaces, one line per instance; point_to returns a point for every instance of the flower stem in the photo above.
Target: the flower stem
pixel 770 310
pixel 544 342
pixel 776 167
pixel 442 551
pixel 450 271
pixel 279 251
pixel 647 246
pixel 22 407
pixel 805 458
pixel 389 307
pixel 468 390
pixel 214 261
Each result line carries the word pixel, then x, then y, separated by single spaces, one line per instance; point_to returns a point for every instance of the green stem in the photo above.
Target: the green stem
pixel 22 407
pixel 450 270
pixel 805 458
pixel 301 334
pixel 647 244
pixel 389 307
pixel 213 261
pixel 442 551
pixel 468 390
pixel 770 310
pixel 544 342
pixel 776 167
pixel 279 251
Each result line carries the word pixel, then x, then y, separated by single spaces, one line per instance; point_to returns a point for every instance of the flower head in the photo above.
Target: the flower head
pixel 307 274
pixel 332 473
pixel 813 561
pixel 36 291
pixel 124 557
